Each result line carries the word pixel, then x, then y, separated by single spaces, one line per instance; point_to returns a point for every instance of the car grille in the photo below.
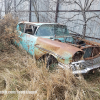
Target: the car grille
pixel 84 64
pixel 91 62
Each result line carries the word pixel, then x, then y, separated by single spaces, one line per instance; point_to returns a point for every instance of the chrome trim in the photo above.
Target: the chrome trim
pixel 81 61
pixel 83 71
pixel 63 65
pixel 86 66
pixel 87 69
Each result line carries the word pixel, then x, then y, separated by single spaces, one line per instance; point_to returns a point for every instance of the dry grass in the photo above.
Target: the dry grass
pixel 7 32
pixel 18 72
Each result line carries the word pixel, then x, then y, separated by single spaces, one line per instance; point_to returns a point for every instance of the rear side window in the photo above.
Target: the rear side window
pixel 29 29
pixel 21 27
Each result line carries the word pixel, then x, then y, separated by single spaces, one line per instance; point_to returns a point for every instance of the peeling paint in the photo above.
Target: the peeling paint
pixel 66 49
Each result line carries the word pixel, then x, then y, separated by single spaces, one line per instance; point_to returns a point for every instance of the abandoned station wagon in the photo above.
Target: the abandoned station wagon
pixel 53 42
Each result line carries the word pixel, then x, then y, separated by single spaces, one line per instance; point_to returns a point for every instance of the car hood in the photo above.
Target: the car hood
pixel 64 50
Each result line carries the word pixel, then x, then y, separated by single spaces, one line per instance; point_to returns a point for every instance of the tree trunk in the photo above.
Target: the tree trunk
pixel 5 7
pixel 84 25
pixel 30 12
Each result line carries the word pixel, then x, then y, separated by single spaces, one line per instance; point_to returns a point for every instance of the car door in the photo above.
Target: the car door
pixel 28 39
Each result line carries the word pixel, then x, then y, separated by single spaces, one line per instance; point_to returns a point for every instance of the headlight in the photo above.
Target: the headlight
pixel 77 56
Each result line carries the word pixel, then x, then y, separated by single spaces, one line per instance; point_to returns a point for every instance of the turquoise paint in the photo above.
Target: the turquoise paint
pixel 67 57
pixel 27 41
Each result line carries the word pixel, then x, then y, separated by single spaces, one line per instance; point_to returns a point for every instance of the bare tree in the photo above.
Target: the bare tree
pixel 84 6
pixel 8 6
pixel 1 3
pixel 34 3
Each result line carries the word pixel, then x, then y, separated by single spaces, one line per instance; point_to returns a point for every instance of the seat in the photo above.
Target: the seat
pixel 28 30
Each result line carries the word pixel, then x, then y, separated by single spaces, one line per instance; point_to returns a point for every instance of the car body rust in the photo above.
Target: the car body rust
pixel 58 48
pixel 53 39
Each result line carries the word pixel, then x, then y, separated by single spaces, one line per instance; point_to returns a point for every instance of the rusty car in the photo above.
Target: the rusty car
pixel 53 42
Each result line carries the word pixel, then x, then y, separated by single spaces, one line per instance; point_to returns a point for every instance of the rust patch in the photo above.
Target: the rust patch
pixel 58 48
pixel 90 42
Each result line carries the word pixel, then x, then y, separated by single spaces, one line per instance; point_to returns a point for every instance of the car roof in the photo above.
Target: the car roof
pixel 37 23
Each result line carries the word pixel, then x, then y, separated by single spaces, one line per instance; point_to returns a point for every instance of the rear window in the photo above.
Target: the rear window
pixel 21 27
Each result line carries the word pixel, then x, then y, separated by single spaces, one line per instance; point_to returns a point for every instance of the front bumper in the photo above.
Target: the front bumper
pixel 82 66
pixel 87 69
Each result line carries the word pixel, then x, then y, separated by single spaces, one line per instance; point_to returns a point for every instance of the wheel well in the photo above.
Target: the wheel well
pixel 52 57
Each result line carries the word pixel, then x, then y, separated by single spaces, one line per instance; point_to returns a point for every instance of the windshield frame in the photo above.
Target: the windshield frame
pixel 67 32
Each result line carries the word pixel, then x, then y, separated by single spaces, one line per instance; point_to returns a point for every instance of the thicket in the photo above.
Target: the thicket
pixel 7 32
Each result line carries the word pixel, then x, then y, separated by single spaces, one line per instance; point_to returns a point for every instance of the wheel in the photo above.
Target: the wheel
pixel 48 61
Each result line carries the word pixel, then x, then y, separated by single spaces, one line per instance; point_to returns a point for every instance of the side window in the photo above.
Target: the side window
pixel 21 27
pixel 29 29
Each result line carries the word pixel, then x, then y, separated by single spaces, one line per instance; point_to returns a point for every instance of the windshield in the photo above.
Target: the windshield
pixel 52 30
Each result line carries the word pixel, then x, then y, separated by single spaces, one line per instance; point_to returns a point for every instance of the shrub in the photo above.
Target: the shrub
pixel 7 32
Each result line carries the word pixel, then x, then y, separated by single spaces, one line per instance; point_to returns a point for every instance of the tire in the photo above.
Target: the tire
pixel 49 61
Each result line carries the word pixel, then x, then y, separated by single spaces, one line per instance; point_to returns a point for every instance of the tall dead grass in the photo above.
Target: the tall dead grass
pixel 18 72
pixel 7 32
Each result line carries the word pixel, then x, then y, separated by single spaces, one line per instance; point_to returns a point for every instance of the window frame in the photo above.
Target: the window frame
pixel 50 24
pixel 23 27
pixel 32 27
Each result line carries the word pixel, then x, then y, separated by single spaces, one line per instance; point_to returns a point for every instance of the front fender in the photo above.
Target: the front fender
pixel 61 51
